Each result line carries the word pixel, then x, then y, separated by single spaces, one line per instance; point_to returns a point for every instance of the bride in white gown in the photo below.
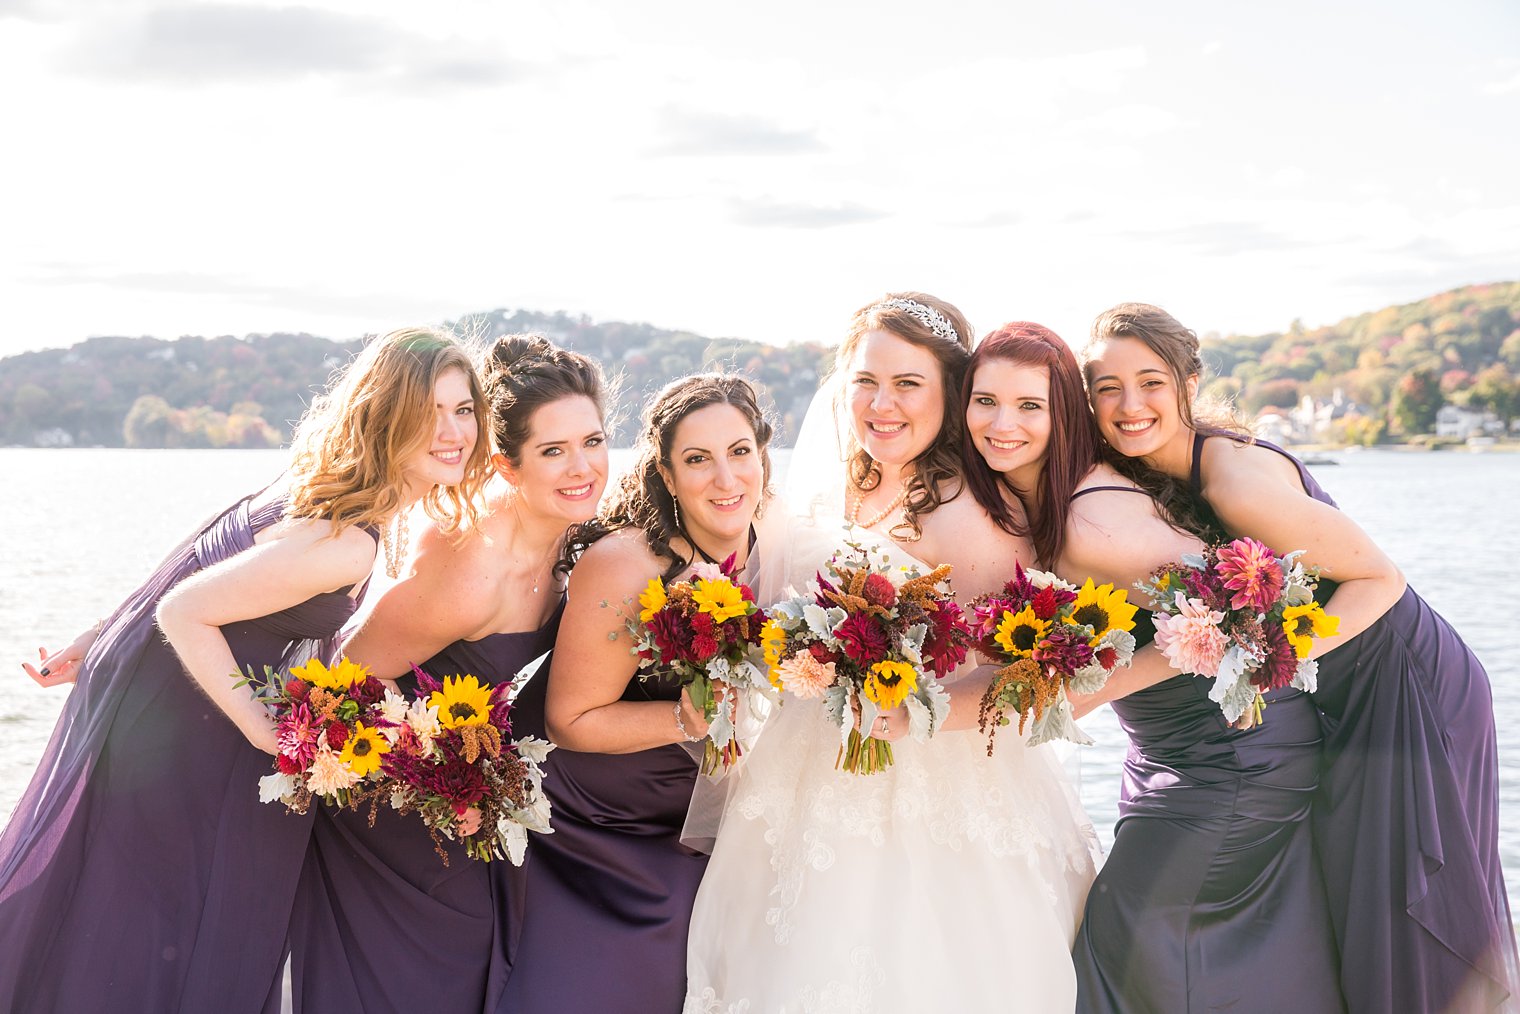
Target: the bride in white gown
pixel 951 881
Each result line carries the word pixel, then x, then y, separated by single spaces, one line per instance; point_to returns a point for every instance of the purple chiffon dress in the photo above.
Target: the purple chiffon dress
pixel 607 897
pixel 1407 818
pixel 1211 898
pixel 139 870
pixel 380 923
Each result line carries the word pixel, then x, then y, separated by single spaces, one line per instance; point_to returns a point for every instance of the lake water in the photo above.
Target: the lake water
pixel 80 528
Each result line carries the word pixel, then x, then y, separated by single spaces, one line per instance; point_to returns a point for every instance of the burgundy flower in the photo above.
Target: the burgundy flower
pixel 671 634
pixel 879 591
pixel 501 707
pixel 1046 602
pixel 367 691
pixel 297 688
pixel 702 623
pixel 862 639
pixel 824 585
pixel 337 734
pixel 823 653
pixel 1064 649
pixel 948 637
pixel 1107 656
pixel 1281 663
pixel 703 647
pixel 288 765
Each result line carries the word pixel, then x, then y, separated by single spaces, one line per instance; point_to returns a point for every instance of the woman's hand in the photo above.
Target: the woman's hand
pixel 468 822
pixel 62 666
pixel 692 722
pixel 890 725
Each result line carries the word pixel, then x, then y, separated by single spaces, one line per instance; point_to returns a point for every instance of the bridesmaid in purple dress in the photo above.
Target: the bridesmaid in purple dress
pixel 483 602
pixel 1212 881
pixel 609 894
pixel 1406 820
pixel 140 871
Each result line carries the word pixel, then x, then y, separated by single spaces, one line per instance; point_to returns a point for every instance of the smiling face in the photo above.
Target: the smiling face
pixel 1137 400
pixel 443 459
pixel 896 396
pixel 1008 417
pixel 563 464
pixel 717 475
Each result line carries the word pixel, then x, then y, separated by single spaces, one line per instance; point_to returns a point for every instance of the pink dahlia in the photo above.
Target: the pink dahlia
pixel 1192 640
pixel 804 676
pixel 297 736
pixel 1251 571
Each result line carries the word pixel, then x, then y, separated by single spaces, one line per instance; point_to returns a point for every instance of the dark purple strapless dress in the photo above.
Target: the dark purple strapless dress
pixel 140 871
pixel 607 897
pixel 1407 819
pixel 1211 899
pixel 380 923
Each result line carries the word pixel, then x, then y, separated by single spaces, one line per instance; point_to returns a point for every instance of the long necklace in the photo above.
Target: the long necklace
pixel 859 499
pixel 394 549
pixel 544 569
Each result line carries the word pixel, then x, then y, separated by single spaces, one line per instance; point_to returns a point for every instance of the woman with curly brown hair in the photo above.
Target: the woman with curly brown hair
pixel 140 869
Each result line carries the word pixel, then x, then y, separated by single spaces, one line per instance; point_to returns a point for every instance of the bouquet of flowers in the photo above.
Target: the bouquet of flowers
pixel 869 637
pixel 1049 637
pixel 345 739
pixel 331 746
pixel 702 630
pixel 450 752
pixel 1242 615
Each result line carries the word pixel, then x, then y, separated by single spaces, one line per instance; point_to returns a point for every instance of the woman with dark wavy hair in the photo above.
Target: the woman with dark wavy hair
pixel 1406 818
pixel 1212 874
pixel 482 601
pixel 607 896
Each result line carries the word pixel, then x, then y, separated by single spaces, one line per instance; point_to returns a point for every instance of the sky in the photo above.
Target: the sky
pixel 745 170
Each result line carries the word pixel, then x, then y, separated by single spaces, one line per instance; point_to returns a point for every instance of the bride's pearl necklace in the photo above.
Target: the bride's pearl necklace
pixel 859 499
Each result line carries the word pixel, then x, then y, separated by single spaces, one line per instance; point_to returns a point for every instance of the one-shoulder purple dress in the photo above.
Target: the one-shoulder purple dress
pixel 1407 819
pixel 380 923
pixel 140 871
pixel 1211 899
pixel 607 897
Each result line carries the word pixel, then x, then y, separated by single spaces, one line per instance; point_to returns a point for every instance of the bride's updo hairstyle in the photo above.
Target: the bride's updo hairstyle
pixel 351 448
pixel 523 373
pixel 933 324
pixel 1178 348
pixel 1074 446
pixel 641 499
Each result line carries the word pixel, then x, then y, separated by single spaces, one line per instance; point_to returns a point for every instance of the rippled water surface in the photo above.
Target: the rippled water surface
pixel 80 528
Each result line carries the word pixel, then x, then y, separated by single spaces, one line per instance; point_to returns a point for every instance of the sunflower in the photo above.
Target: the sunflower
pixel 340 677
pixel 1103 609
pixel 1304 623
pixel 889 683
pixel 719 599
pixel 365 746
pixel 773 643
pixel 1018 633
pixel 652 599
pixel 462 701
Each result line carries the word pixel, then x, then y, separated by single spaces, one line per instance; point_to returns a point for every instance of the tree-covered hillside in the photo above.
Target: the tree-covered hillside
pixel 1393 368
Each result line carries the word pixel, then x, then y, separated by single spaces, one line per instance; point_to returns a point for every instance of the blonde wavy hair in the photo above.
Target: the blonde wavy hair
pixel 351 448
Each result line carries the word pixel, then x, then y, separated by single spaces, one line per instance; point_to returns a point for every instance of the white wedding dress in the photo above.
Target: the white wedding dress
pixel 951 882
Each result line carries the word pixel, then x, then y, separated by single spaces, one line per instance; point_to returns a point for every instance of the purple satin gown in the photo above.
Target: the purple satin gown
pixel 140 871
pixel 1407 819
pixel 1211 899
pixel 607 897
pixel 380 923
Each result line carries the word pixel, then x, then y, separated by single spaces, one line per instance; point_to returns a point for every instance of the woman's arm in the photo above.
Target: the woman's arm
pixel 593 661
pixel 1256 493
pixel 284 572
pixel 443 598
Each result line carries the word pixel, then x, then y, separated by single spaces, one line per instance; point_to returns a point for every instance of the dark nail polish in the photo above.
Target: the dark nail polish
pixel 43 671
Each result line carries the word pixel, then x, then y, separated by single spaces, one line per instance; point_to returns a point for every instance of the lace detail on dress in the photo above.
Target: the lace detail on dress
pixel 1005 805
pixel 853 994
